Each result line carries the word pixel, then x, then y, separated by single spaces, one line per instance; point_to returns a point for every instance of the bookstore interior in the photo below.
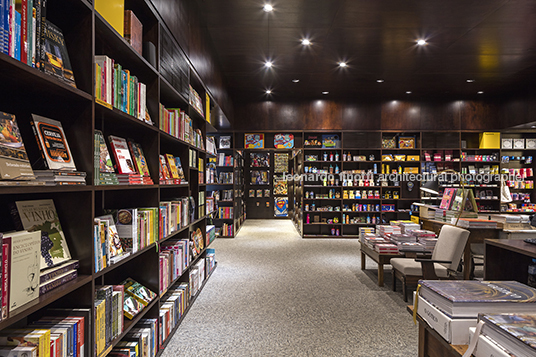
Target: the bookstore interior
pixel 409 127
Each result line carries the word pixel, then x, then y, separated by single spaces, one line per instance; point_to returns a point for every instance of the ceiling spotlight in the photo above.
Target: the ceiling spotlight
pixel 268 64
pixel 470 80
pixel 480 92
pixel 325 93
pixel 421 42
pixel 408 92
pixel 268 91
pixel 533 126
pixel 343 64
pixel 379 80
pixel 306 42
pixel 295 80
pixel 268 8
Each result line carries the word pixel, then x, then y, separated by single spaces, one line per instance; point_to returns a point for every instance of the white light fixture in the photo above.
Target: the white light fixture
pixel 421 42
pixel 268 64
pixel 379 80
pixel 295 80
pixel 268 91
pixel 533 126
pixel 268 8
pixel 408 92
pixel 306 42
pixel 325 93
pixel 470 80
pixel 480 92
pixel 343 64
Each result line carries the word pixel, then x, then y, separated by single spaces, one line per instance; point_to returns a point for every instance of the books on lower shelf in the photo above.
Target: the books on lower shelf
pixel 173 306
pixel 123 232
pixel 171 171
pixel 109 322
pixel 226 230
pixel 116 87
pixel 173 216
pixel 174 258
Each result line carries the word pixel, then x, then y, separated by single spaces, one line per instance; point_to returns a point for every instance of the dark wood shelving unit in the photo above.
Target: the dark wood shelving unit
pixel 29 91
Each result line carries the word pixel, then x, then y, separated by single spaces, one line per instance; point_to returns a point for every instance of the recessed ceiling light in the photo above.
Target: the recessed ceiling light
pixel 379 80
pixel 533 126
pixel 408 92
pixel 470 80
pixel 268 64
pixel 306 42
pixel 268 91
pixel 295 80
pixel 325 93
pixel 268 8
pixel 343 64
pixel 480 92
pixel 421 42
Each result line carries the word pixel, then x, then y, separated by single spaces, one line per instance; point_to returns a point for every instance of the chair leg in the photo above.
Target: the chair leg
pixel 394 279
pixel 404 289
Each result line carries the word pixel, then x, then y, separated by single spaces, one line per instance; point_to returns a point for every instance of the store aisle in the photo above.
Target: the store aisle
pixel 276 294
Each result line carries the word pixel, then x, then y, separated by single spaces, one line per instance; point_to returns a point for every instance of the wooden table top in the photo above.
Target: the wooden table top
pixel 514 245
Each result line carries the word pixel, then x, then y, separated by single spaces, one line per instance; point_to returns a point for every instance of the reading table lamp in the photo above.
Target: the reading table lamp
pixel 433 188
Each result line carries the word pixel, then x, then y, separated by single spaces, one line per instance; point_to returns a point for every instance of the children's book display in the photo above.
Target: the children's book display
pixel 284 141
pixel 254 141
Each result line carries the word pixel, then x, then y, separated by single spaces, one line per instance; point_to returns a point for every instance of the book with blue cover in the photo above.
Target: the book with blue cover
pixel 466 298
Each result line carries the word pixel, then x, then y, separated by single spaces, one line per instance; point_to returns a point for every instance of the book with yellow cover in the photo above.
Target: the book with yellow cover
pixel 112 11
pixel 172 167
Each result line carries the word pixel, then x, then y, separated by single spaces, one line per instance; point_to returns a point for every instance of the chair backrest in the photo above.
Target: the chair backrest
pixel 450 245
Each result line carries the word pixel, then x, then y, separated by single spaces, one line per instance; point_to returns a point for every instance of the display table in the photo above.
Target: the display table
pixel 478 235
pixel 432 344
pixel 381 259
pixel 507 259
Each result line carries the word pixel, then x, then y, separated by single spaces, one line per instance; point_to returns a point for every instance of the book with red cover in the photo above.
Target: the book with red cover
pixel 446 201
pixel 133 31
pixel 6 264
pixel 123 160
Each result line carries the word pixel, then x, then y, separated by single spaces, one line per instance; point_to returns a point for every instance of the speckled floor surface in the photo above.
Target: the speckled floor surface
pixel 276 294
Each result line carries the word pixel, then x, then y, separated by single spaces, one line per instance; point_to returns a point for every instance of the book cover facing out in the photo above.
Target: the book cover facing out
pixel 463 291
pixel 53 143
pixel 14 163
pixel 56 59
pixel 41 215
pixel 520 326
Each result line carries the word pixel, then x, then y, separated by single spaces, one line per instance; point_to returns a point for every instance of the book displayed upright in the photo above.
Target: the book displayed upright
pixel 52 143
pixel 133 31
pixel 41 216
pixel 14 163
pixel 123 160
pixel 56 58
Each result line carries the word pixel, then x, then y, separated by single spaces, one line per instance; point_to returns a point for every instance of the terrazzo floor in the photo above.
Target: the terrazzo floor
pixel 276 294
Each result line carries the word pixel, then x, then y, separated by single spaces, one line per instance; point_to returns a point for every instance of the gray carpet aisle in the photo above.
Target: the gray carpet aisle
pixel 275 294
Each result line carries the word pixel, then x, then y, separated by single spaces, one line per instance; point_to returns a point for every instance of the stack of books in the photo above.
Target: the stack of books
pixel 386 230
pixel 60 177
pixel 386 248
pixel 505 335
pixel 51 278
pixel 477 223
pixel 451 307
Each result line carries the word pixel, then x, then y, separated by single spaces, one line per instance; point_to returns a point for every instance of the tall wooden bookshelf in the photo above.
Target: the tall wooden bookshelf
pixel 27 91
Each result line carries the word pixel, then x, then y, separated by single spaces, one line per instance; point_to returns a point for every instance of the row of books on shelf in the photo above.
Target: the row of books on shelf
pixel 195 100
pixel 124 232
pixel 226 230
pixel 174 215
pixel 225 212
pixel 59 332
pixel 210 205
pixel 225 160
pixel 226 178
pixel 27 36
pixel 113 303
pixel 498 314
pixel 175 122
pixel 174 258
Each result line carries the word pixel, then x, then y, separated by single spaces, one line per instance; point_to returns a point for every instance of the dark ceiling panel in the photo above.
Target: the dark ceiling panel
pixel 491 41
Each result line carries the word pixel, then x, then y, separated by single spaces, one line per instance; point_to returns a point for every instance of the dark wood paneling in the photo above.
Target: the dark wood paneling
pixel 400 115
pixel 477 115
pixel 361 116
pixel 175 15
pixel 321 115
pixel 440 116
pixel 286 115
